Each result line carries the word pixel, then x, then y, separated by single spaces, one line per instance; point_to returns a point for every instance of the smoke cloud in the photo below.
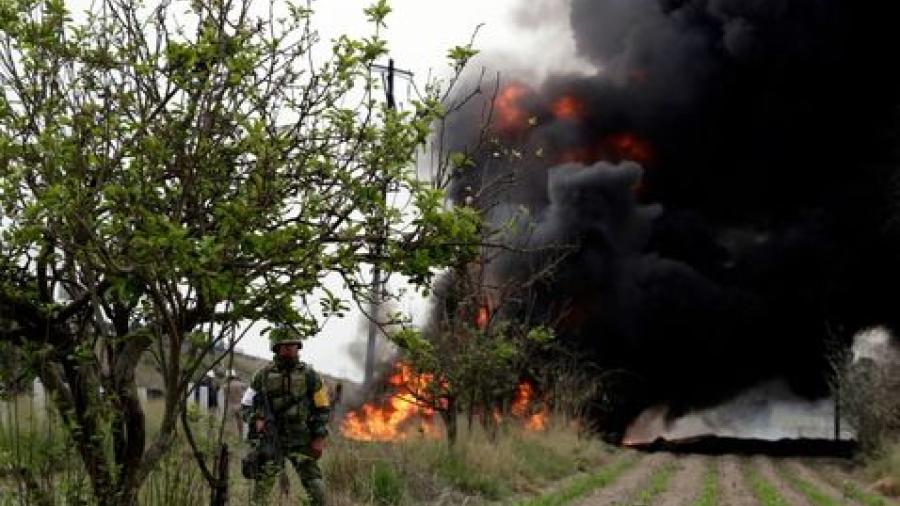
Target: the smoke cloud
pixel 728 176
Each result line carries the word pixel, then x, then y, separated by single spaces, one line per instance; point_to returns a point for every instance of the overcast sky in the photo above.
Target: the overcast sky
pixel 533 35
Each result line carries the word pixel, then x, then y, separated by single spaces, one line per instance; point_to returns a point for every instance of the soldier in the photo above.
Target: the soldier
pixel 234 392
pixel 298 401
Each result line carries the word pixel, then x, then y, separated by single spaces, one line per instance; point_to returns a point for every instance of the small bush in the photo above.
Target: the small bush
pixel 387 485
pixel 456 470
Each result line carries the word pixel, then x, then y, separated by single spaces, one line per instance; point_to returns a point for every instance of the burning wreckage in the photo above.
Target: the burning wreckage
pixel 728 176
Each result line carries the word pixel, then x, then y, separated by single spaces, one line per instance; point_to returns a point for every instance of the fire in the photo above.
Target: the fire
pixel 395 417
pixel 483 317
pixel 524 392
pixel 628 146
pixel 402 414
pixel 614 149
pixel 577 155
pixel 522 408
pixel 567 107
pixel 507 105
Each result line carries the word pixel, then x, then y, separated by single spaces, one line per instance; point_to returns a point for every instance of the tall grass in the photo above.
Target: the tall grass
pixel 518 463
pixel 885 463
pixel 418 471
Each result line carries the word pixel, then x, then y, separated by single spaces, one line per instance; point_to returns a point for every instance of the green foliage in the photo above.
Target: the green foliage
pixel 885 463
pixel 387 485
pixel 459 56
pixel 455 470
pixel 378 12
pixel 540 462
pixel 472 366
pixel 162 188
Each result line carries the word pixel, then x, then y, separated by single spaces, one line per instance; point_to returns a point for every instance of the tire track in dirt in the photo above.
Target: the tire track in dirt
pixel 687 483
pixel 733 487
pixel 630 483
pixel 766 468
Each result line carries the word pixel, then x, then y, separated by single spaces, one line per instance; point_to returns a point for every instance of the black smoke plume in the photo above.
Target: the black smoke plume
pixel 728 176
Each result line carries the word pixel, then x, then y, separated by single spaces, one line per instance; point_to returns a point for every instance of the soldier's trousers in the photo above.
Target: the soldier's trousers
pixel 310 476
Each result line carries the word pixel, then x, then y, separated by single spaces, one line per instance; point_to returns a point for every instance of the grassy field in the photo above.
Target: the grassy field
pixel 419 471
pixel 517 465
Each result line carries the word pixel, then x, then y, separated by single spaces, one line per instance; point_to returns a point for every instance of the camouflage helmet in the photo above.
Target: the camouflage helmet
pixel 284 334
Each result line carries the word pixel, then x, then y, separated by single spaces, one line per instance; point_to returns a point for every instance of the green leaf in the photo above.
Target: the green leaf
pixel 378 12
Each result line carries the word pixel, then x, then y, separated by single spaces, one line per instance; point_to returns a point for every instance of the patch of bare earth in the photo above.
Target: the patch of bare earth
pixel 630 483
pixel 766 468
pixel 733 487
pixel 686 484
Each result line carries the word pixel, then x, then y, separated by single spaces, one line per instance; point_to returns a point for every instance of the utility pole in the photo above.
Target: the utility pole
pixel 377 295
pixel 837 410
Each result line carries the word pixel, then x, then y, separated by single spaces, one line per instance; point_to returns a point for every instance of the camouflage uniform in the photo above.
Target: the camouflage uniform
pixel 299 401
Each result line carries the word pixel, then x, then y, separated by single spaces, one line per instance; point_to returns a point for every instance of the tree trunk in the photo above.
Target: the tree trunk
pixel 219 495
pixel 450 417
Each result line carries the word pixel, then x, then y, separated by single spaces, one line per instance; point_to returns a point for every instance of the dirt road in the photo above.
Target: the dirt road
pixel 665 479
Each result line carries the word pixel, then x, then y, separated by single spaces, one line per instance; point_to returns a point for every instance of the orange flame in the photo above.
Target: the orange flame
pixel 628 146
pixel 395 417
pixel 401 415
pixel 520 402
pixel 521 407
pixel 507 105
pixel 537 422
pixel 482 318
pixel 567 107
pixel 577 155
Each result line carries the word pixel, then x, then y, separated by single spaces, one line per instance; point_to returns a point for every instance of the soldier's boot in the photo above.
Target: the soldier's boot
pixel 311 477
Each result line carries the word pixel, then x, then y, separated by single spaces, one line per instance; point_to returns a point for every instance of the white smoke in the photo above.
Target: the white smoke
pixel 769 411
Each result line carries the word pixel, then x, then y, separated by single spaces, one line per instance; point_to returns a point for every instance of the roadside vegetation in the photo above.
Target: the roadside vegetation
pixel 867 387
pixel 475 470
pixel 885 465
pixel 854 491
pixel 512 465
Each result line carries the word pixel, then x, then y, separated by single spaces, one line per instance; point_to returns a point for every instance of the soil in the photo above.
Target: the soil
pixel 630 483
pixel 733 487
pixel 767 470
pixel 687 483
